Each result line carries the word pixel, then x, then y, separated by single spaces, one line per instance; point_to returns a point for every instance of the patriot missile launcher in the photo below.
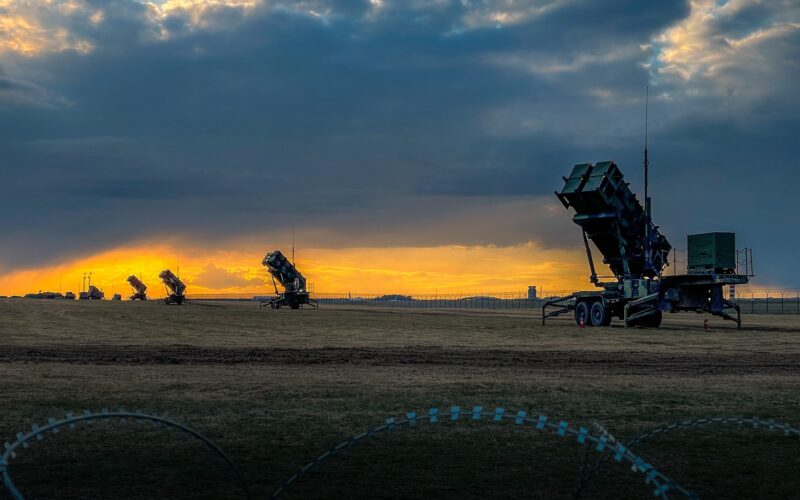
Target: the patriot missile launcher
pixel 621 229
pixel 286 274
pixel 92 293
pixel 139 288
pixel 174 286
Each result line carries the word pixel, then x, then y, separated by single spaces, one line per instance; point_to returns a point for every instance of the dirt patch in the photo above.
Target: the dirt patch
pixel 628 362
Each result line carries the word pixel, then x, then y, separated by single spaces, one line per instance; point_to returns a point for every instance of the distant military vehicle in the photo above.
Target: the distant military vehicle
pixel 175 286
pixel 139 288
pixel 284 272
pixel 93 293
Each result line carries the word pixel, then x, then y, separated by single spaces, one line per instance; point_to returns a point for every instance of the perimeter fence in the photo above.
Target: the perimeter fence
pixel 768 301
pixel 752 301
pixel 496 300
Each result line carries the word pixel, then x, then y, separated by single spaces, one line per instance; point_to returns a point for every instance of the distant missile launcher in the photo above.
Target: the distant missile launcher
pixel 286 274
pixel 139 288
pixel 175 287
pixel 93 293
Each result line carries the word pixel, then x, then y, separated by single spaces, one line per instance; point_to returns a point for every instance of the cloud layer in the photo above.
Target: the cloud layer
pixel 387 123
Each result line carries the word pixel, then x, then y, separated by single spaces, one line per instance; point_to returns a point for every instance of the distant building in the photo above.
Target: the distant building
pixel 531 293
pixel 44 295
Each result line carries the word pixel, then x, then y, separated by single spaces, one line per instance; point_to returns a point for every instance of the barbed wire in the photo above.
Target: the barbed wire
pixel 38 433
pixel 599 439
pixel 755 422
pixel 600 442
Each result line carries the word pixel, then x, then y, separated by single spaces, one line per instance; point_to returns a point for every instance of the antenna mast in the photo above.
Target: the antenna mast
pixel 646 165
pixel 647 258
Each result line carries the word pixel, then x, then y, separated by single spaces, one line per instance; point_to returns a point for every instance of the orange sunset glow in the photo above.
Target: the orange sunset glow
pixel 444 269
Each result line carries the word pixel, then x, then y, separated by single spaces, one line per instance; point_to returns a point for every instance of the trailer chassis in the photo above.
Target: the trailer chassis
pixel 700 294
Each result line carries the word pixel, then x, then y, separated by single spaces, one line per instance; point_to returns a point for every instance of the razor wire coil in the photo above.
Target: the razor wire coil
pixel 662 485
pixel 755 423
pixel 597 439
pixel 38 433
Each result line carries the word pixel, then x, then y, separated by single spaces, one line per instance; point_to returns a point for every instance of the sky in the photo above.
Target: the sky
pixel 403 145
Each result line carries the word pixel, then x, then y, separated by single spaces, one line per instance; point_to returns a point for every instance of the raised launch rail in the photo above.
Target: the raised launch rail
pixel 613 219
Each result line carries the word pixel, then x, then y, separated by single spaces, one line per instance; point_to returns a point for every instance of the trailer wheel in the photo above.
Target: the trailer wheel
pixel 582 311
pixel 653 321
pixel 600 314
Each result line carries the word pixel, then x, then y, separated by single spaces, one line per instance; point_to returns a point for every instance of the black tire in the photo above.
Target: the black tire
pixel 600 314
pixel 582 311
pixel 653 321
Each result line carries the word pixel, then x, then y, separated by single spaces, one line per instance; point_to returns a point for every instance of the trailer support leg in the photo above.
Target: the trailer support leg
pixel 564 305
pixel 648 302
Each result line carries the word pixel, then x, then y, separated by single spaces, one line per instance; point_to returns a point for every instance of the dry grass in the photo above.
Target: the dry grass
pixel 275 388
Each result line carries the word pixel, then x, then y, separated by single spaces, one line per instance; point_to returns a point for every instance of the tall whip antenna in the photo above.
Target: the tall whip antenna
pixel 647 257
pixel 646 165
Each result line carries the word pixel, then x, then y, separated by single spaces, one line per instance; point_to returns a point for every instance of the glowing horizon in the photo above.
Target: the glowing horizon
pixel 442 269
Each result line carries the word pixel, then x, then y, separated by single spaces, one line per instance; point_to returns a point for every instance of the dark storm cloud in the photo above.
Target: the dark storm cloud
pixel 408 124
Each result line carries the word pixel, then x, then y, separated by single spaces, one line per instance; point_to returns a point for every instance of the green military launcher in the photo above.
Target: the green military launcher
pixel 621 229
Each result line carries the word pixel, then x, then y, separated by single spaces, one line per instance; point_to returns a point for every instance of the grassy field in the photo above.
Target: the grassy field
pixel 276 388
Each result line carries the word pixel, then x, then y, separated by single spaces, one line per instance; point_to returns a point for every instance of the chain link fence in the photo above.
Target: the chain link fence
pixel 494 300
pixel 752 301
pixel 768 301
pixel 501 300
